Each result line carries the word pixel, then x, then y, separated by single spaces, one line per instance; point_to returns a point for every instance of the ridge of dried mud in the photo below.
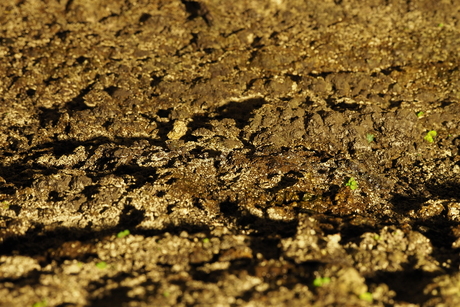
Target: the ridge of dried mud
pixel 222 134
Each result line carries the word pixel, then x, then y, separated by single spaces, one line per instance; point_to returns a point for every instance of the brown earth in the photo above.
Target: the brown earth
pixel 260 153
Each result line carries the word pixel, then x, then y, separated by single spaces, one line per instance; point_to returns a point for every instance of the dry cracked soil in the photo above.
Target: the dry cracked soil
pixel 229 153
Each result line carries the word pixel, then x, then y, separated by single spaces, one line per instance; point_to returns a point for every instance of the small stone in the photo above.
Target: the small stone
pixel 178 131
pixel 453 211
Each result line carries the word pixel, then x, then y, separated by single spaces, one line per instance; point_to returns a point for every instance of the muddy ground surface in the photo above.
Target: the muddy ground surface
pixel 229 153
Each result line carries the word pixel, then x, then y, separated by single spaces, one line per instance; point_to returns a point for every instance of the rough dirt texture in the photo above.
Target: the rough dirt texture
pixel 260 153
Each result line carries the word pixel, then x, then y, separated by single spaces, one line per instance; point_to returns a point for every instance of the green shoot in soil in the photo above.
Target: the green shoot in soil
pixel 369 137
pixel 123 233
pixel 6 204
pixel 366 296
pixel 429 137
pixel 321 281
pixel 352 183
pixel 40 304
pixel 101 265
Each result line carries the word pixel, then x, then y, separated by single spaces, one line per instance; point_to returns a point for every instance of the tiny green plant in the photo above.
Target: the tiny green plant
pixel 366 296
pixel 206 240
pixel 101 265
pixel 40 304
pixel 166 294
pixel 370 137
pixel 441 25
pixel 123 233
pixel 429 137
pixel 420 113
pixel 307 197
pixel 321 281
pixel 352 183
pixel 6 204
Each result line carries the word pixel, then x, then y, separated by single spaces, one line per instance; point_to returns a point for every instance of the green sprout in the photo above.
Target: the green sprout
pixel 366 296
pixel 429 137
pixel 166 294
pixel 206 240
pixel 40 304
pixel 101 265
pixel 420 114
pixel 352 183
pixel 307 197
pixel 370 137
pixel 321 281
pixel 123 233
pixel 6 204
pixel 441 25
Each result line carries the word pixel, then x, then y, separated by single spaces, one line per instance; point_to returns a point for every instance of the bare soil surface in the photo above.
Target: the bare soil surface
pixel 229 153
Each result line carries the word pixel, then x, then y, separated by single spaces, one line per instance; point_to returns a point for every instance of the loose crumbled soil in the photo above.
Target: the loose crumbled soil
pixel 258 153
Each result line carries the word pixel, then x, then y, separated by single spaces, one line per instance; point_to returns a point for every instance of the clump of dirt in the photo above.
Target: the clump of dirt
pixel 217 153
